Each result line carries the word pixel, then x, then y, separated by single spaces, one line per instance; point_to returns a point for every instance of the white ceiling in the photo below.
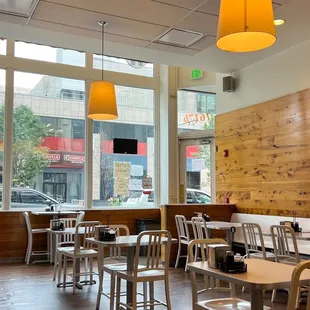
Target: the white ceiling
pixel 135 25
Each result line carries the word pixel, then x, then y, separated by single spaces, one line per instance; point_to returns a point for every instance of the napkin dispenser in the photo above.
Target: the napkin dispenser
pixel 216 254
pixel 104 233
pixel 57 225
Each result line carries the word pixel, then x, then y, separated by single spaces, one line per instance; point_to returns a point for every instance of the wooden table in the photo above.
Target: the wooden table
pixel 55 214
pixel 129 242
pixel 228 226
pixel 70 231
pixel 261 275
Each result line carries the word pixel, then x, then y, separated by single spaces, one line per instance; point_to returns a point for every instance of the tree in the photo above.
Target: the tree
pixel 28 156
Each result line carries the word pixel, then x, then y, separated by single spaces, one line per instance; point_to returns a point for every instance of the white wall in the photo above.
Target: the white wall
pixel 281 74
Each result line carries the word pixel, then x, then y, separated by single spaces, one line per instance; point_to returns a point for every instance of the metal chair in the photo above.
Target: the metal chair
pixel 293 299
pixel 148 272
pixel 67 240
pixel 200 231
pixel 32 232
pixel 285 252
pixel 253 238
pixel 111 265
pixel 183 237
pixel 86 251
pixel 209 281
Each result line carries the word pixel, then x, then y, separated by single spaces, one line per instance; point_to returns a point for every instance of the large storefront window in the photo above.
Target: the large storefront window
pixel 48 140
pixel 124 65
pixel 2 46
pixel 196 111
pixel 2 102
pixel 49 54
pixel 119 178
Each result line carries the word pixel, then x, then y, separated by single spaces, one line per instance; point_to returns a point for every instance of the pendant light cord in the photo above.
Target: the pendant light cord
pixel 102 48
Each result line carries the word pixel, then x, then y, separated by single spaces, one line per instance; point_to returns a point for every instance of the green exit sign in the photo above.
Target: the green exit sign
pixel 197 74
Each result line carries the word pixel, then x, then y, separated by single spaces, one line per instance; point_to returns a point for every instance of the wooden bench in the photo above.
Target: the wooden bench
pixel 265 221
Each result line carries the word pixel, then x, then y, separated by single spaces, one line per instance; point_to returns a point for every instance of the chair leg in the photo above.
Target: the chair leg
pixel 86 268
pixel 186 263
pixel 112 291
pixel 167 292
pixel 59 259
pixel 29 250
pixel 273 297
pixel 56 263
pixel 100 289
pixel 178 256
pixel 49 247
pixel 118 293
pixel 145 294
pixel 134 296
pixel 243 289
pixel 91 267
pixel 74 275
pixel 65 271
pixel 151 290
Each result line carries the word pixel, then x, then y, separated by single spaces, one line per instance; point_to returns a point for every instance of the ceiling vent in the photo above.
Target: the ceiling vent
pixel 179 37
pixel 22 8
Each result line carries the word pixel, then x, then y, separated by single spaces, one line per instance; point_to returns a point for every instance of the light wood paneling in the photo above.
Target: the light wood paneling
pixel 268 167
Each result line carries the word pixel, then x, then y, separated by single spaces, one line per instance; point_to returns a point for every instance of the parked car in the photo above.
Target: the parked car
pixel 147 197
pixel 22 197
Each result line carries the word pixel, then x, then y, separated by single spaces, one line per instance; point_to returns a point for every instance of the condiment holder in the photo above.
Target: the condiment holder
pixel 105 232
pixel 57 225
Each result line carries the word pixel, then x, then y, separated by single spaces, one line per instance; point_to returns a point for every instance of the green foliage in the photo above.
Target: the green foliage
pixel 28 156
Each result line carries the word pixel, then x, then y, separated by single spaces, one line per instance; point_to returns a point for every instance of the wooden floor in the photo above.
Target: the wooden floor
pixel 31 288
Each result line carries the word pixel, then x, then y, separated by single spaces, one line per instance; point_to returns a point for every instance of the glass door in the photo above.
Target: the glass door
pixel 196 170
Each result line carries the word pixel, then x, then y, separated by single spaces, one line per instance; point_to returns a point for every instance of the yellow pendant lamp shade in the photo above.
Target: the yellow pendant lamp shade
pixel 245 25
pixel 102 101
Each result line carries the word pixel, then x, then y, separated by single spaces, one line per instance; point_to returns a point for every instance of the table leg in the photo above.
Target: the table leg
pixel 256 299
pixel 78 266
pixel 130 263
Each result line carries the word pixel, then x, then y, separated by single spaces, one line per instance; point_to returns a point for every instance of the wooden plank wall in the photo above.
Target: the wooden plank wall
pixel 13 232
pixel 267 170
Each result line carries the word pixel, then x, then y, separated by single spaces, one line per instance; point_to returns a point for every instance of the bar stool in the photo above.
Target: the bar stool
pixel 31 232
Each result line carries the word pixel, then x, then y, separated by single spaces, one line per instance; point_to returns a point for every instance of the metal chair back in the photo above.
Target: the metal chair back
pixel 253 238
pixel 294 293
pixel 200 228
pixel 152 261
pixel 88 231
pixel 182 228
pixel 284 251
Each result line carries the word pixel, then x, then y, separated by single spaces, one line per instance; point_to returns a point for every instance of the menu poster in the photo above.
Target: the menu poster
pixel 121 178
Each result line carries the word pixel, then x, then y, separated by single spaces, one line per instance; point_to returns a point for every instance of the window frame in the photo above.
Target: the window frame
pixel 10 63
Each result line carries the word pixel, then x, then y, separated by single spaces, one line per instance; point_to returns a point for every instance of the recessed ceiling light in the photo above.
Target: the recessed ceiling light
pixel 279 22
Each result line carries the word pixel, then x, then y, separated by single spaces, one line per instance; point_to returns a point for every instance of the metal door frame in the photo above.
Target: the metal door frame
pixel 186 139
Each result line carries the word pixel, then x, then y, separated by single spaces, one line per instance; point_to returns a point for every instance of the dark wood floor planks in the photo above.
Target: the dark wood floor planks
pixel 31 288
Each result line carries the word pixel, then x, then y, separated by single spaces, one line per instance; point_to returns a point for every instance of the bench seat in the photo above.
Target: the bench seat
pixel 265 221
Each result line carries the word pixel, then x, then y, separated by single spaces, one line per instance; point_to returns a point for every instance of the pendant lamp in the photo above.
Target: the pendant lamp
pixel 102 100
pixel 245 25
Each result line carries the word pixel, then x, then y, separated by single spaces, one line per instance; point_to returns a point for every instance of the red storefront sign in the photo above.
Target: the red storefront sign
pixel 74 159
pixel 53 158
pixel 65 160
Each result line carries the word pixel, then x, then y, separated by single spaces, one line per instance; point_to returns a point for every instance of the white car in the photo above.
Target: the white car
pixel 147 198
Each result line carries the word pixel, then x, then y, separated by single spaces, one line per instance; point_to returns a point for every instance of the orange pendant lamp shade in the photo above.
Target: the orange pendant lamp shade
pixel 102 101
pixel 245 25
